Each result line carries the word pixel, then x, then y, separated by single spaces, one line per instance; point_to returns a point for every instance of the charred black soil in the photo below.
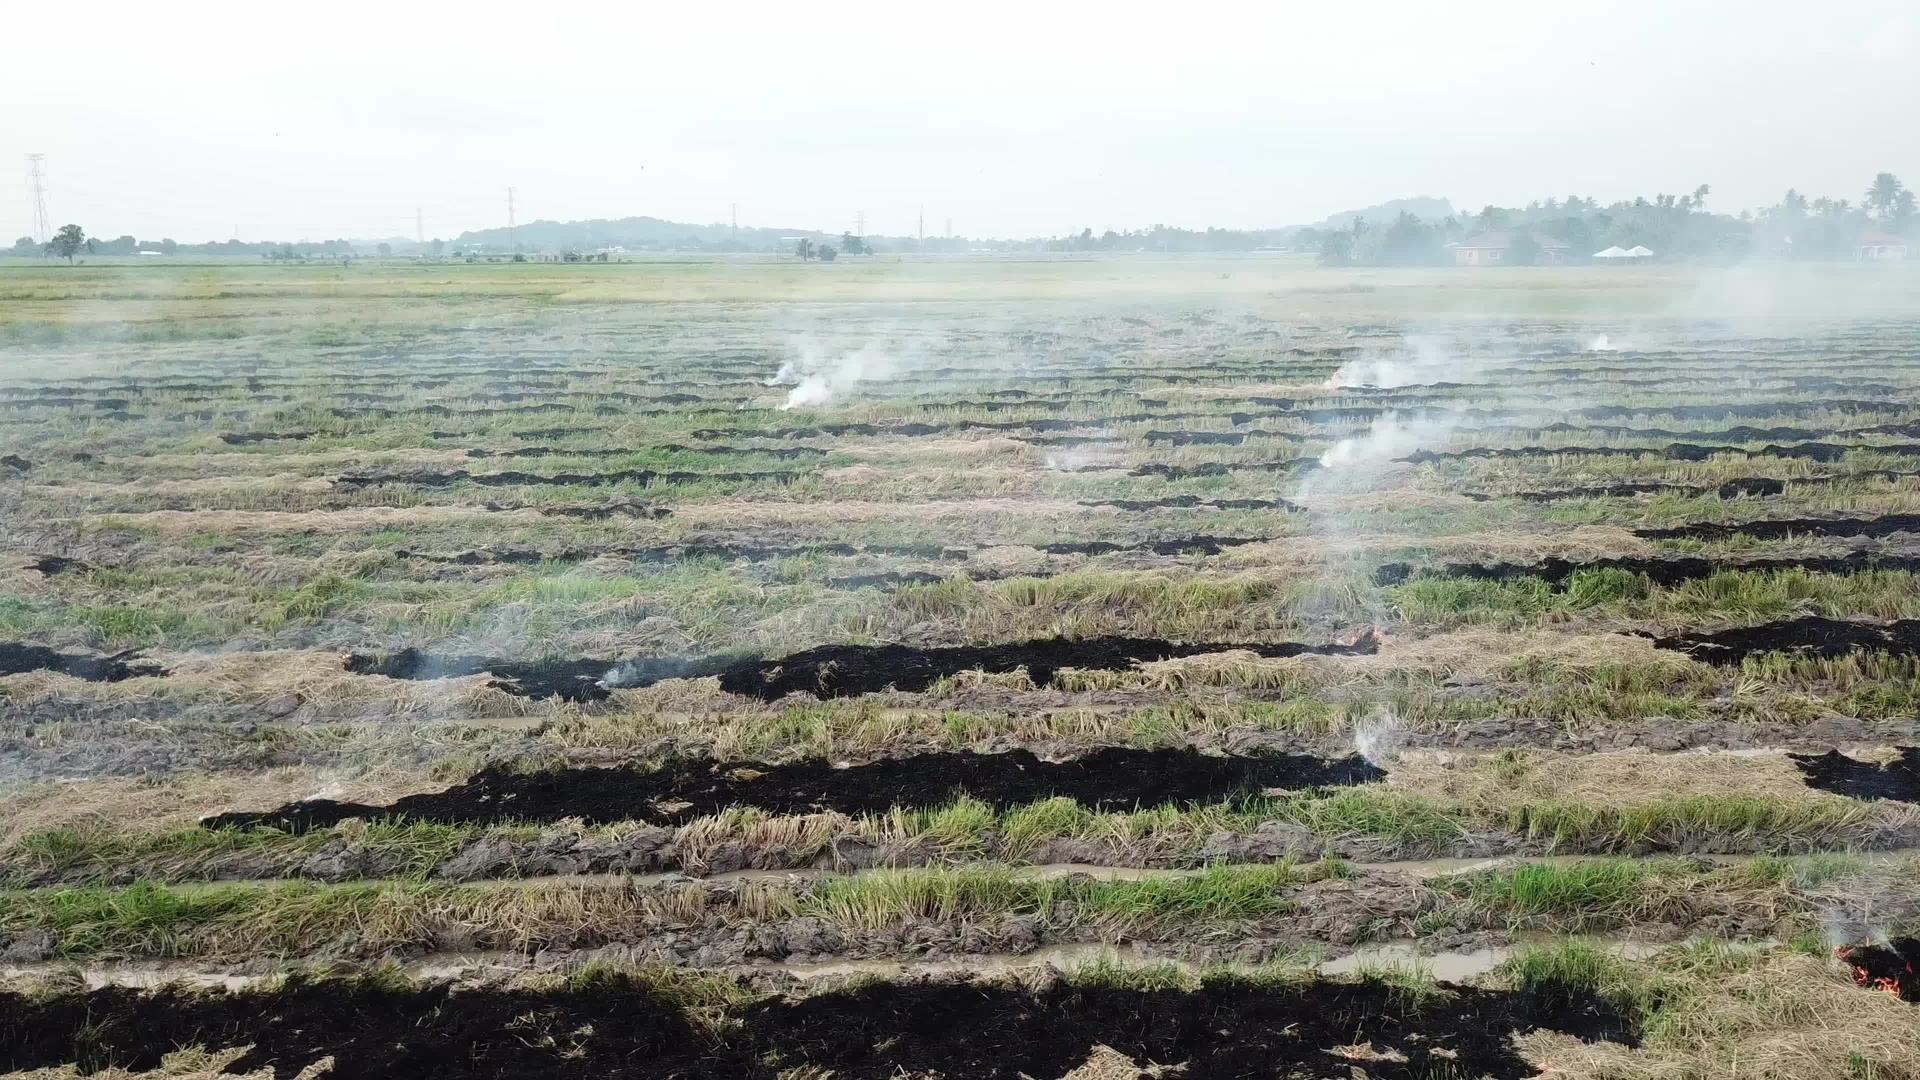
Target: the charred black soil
pixel 248 438
pixel 643 477
pixel 568 680
pixel 1889 968
pixel 1186 545
pixel 847 670
pixel 1751 486
pixel 1812 635
pixel 16 659
pixel 1833 771
pixel 49 565
pixel 826 671
pixel 674 552
pixel 958 1031
pixel 1193 502
pixel 1782 528
pixel 1110 778
pixel 1662 572
pixel 1821 452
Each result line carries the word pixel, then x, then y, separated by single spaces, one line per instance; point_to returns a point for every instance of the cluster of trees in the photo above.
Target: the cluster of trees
pixel 849 245
pixel 1167 238
pixel 1672 225
pixel 72 241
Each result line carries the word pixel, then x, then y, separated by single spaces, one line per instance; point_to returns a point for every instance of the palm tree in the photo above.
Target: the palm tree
pixel 1883 195
pixel 1902 212
pixel 1700 197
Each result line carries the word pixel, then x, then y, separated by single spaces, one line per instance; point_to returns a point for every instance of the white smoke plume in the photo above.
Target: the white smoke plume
pixel 1603 343
pixel 1379 737
pixel 819 373
pixel 1387 438
pixel 1419 359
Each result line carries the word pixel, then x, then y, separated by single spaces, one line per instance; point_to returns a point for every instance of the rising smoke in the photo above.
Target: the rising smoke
pixel 820 373
pixel 1387 438
pixel 1418 359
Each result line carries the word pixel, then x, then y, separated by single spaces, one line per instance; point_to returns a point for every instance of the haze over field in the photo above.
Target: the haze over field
pixel 1012 120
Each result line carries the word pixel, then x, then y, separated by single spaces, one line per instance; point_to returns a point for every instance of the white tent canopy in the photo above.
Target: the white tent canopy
pixel 1614 252
pixel 1640 252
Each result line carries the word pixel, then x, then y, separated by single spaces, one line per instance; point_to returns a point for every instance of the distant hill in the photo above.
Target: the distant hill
pixel 1421 206
pixel 634 234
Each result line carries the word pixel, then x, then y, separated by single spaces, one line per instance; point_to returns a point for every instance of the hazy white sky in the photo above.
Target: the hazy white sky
pixel 290 121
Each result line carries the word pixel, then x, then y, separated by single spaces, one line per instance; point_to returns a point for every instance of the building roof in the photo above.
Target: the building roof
pixel 1503 239
pixel 1881 238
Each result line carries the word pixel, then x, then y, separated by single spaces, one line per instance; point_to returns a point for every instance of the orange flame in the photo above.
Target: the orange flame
pixel 1863 977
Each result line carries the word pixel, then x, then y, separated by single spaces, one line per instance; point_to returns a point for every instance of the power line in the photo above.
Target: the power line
pixel 42 228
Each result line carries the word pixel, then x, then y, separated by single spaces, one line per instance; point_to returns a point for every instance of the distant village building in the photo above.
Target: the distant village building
pixel 1494 248
pixel 1879 245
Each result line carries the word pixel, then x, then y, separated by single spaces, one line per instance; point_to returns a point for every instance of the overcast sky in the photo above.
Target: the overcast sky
pixel 302 121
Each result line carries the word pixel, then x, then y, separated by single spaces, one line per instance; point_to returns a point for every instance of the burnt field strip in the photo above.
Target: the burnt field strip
pixel 1810 635
pixel 825 671
pixel 622 1026
pixel 1897 778
pixel 16 658
pixel 692 668
pixel 1785 528
pixel 1658 571
pixel 1111 778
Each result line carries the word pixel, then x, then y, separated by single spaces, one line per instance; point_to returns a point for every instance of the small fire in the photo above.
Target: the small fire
pixel 1887 968
pixel 1364 639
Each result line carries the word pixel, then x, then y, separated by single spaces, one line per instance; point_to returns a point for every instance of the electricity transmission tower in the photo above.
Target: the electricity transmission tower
pixel 42 229
pixel 419 226
pixel 512 237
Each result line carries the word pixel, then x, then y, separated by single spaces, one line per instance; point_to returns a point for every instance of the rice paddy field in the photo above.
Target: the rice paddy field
pixel 987 667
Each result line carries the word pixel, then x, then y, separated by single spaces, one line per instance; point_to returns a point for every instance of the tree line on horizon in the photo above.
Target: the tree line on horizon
pixel 1671 225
